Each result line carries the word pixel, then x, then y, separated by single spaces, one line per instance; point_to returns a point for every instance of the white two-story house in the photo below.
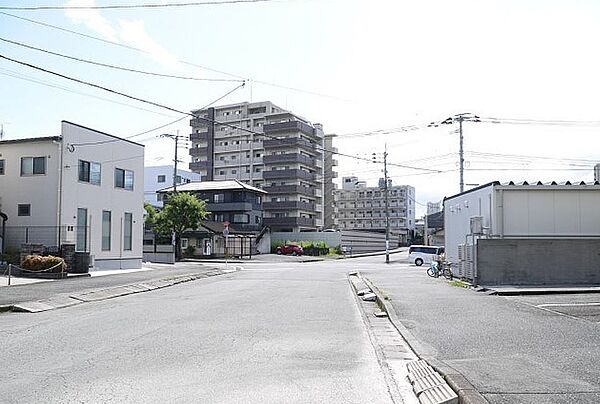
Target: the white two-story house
pixel 83 187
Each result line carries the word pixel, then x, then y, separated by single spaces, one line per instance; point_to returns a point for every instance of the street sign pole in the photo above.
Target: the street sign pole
pixel 226 234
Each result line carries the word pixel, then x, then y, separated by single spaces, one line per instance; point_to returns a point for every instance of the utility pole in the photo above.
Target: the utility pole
pixel 387 206
pixel 176 139
pixel 460 118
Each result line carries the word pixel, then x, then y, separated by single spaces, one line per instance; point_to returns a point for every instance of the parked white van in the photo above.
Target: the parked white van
pixel 420 254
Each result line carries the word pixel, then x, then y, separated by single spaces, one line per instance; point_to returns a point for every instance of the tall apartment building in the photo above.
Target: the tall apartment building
pixel 597 172
pixel 267 147
pixel 358 207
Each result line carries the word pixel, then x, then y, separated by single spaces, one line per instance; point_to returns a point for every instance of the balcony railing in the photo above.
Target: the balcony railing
pixel 291 174
pixel 290 142
pixel 289 126
pixel 199 165
pixel 199 151
pixel 289 221
pixel 290 189
pixel 197 137
pixel 289 205
pixel 289 158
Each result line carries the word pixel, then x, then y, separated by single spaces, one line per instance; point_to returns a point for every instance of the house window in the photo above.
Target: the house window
pixel 219 217
pixel 33 166
pixel 241 218
pixel 127 231
pixel 219 198
pixel 178 179
pixel 257 169
pixel 24 210
pixel 106 227
pixel 1 167
pixel 222 172
pixel 184 243
pixel 162 178
pixel 233 171
pixel 89 172
pixel 124 179
pixel 81 241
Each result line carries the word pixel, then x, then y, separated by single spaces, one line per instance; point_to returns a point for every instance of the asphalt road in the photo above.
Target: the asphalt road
pixel 286 332
pixel 526 349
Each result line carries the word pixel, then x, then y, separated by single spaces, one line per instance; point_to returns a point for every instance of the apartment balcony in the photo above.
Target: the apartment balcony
pixel 289 205
pixel 290 126
pixel 290 189
pixel 229 207
pixel 289 158
pixel 288 174
pixel 195 122
pixel 199 166
pixel 289 221
pixel 199 152
pixel 334 162
pixel 199 137
pixel 291 142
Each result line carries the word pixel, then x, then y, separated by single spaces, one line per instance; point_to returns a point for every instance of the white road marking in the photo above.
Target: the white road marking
pixel 567 304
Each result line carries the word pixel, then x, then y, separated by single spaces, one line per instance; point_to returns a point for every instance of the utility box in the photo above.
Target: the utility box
pixel 476 224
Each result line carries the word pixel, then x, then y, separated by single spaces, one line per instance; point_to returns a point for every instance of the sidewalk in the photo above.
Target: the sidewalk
pixel 511 350
pixel 28 292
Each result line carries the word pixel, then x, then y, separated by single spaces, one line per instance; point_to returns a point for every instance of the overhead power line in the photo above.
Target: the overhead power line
pixel 125 46
pixel 172 76
pixel 156 104
pixel 134 6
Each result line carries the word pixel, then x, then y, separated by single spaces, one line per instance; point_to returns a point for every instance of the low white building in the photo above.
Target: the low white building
pixel 83 187
pixel 538 233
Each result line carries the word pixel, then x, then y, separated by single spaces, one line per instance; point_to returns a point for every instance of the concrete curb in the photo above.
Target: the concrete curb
pixel 87 296
pixel 467 393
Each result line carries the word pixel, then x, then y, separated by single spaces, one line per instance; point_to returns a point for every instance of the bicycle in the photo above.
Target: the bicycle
pixel 446 269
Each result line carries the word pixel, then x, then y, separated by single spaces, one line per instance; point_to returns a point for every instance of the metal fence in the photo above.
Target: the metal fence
pixel 51 237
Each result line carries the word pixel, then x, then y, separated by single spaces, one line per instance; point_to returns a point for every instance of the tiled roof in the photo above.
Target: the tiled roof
pixel 214 186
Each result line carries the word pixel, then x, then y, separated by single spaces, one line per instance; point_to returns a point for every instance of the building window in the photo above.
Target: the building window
pixel 106 230
pixel 219 198
pixel 127 231
pixel 241 218
pixel 184 243
pixel 90 172
pixel 81 240
pixel 162 178
pixel 1 167
pixel 233 171
pixel 178 179
pixel 124 179
pixel 24 210
pixel 219 217
pixel 257 169
pixel 234 157
pixel 33 166
pixel 222 172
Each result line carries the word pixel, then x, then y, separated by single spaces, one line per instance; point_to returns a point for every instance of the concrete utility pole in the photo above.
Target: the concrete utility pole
pixel 176 139
pixel 460 118
pixel 387 211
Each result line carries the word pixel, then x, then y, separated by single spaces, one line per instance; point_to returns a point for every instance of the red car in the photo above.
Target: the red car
pixel 290 249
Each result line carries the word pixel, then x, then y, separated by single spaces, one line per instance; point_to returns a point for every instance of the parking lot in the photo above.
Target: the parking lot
pixel 579 306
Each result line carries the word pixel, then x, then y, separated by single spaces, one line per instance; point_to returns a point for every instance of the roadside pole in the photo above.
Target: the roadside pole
pixel 226 234
pixel 387 207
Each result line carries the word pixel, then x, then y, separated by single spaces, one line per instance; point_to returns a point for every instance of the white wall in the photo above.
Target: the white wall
pixel 151 184
pixel 458 211
pixel 548 210
pixel 111 153
pixel 41 191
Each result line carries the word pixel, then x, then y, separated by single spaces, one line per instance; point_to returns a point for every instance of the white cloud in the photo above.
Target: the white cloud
pixel 130 32
pixel 134 33
pixel 91 18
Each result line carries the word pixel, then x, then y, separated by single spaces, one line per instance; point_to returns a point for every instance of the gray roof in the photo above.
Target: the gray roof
pixel 227 185
pixel 32 139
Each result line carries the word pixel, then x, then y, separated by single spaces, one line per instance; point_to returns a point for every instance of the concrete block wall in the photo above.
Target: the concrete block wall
pixel 539 261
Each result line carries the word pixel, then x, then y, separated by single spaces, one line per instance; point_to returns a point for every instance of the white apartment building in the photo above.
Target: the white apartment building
pixel 83 187
pixel 161 177
pixel 358 207
pixel 267 147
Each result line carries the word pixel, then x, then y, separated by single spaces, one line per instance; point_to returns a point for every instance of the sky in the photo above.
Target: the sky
pixel 380 68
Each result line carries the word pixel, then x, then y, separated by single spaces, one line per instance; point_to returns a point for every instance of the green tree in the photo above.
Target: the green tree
pixel 150 215
pixel 182 211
